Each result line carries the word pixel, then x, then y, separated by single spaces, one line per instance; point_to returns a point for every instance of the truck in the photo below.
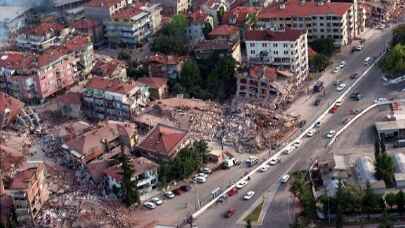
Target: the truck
pixel 229 162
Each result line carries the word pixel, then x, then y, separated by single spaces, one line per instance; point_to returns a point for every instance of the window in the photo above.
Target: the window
pixel 328 18
pixel 275 52
pixel 275 45
pixel 252 44
pixel 264 44
pixel 285 45
pixel 285 52
pixel 322 30
pixel 321 24
pixel 252 52
pixel 321 18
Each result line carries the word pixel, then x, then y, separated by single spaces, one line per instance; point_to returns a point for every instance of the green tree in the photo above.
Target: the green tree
pixel 220 14
pixel 123 55
pixel 323 46
pixel 207 28
pixel 251 20
pixel 318 63
pixel 391 199
pixel 340 204
pixel 249 224
pixel 398 35
pixel 385 169
pixel 172 37
pixel 377 148
pixel 190 75
pixel 129 191
pixel 369 201
pixel 400 201
pixel 386 221
pixel 393 62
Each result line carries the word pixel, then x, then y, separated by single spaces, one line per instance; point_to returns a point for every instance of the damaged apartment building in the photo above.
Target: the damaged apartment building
pixel 113 99
pixel 29 191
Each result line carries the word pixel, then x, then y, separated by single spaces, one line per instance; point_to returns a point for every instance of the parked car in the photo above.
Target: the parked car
pixel 367 60
pixel 202 175
pixel 149 205
pixel 241 184
pixel 169 195
pixel 296 144
pixel 177 191
pixel 342 64
pixel 317 102
pixel 232 192
pixel 229 213
pixel 354 76
pixel 206 170
pixel 311 133
pixel 334 109
pixel 248 195
pixel 356 96
pixel 330 134
pixel 336 70
pixel 302 123
pixel 201 180
pixel 317 124
pixel 380 99
pixel 274 161
pixel 185 188
pixel 264 168
pixel 288 150
pixel 285 178
pixel 157 201
pixel 341 87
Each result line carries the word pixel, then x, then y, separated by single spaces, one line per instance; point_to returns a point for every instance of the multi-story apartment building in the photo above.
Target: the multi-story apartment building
pixel 107 138
pixel 29 191
pixel 89 27
pixel 173 7
pixel 261 82
pixel 196 23
pixel 131 25
pixel 322 19
pixel 145 175
pixel 34 77
pixel 80 47
pixel 380 11
pixel 102 10
pixel 286 50
pixel 113 99
pixel 166 66
pixel 10 108
pixel 40 37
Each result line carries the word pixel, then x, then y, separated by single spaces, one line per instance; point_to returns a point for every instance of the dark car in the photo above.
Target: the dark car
pixel 354 76
pixel 356 96
pixel 229 213
pixel 302 123
pixel 232 192
pixel 317 102
pixel 185 188
pixel 177 191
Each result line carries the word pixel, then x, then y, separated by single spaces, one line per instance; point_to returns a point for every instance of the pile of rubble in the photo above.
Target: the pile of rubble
pixel 248 127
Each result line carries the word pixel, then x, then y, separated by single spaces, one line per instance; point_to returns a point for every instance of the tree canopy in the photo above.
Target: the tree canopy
pixel 318 63
pixel 323 46
pixel 398 35
pixel 393 62
pixel 172 37
pixel 385 169
pixel 129 190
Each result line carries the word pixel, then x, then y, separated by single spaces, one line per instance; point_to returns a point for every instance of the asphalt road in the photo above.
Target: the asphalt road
pixel 279 215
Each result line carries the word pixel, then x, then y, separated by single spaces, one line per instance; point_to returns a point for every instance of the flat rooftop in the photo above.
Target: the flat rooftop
pixel 390 125
pixel 9 13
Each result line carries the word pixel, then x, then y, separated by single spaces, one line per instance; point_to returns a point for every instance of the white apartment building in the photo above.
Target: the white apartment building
pixel 286 50
pixel 339 21
pixel 132 24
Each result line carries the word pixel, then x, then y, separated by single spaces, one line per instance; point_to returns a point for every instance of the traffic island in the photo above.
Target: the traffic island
pixel 253 217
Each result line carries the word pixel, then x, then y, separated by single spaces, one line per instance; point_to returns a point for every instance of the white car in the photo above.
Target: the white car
pixel 202 175
pixel 248 195
pixel 336 70
pixel 274 161
pixel 341 87
pixel 310 133
pixel 288 150
pixel 169 195
pixel 264 168
pixel 317 125
pixel 157 201
pixel 241 184
pixel 338 103
pixel 342 64
pixel 201 180
pixel 206 170
pixel 284 178
pixel 367 60
pixel 330 134
pixel 296 144
pixel 149 205
pixel 380 99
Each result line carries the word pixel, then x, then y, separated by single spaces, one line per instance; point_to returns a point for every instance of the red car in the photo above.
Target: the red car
pixel 232 192
pixel 229 213
pixel 334 109
pixel 177 191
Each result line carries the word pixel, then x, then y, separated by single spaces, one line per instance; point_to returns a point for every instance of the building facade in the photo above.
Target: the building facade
pixel 339 21
pixel 29 191
pixel 113 99
pixel 287 50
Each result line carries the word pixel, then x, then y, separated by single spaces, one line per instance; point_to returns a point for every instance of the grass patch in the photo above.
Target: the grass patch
pixel 254 215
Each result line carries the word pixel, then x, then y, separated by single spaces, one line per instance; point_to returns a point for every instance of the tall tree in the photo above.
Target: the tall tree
pixel 190 75
pixel 385 169
pixel 376 148
pixel 369 201
pixel 339 206
pixel 324 46
pixel 401 201
pixel 393 62
pixel 129 190
pixel 390 199
pixel 386 221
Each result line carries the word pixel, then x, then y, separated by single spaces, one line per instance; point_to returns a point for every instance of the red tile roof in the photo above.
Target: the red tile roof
pixel 17 60
pixel 84 24
pixel 198 16
pixel 104 68
pixel 165 59
pixel 90 144
pixel 163 140
pixel 240 13
pixel 43 28
pixel 22 180
pixel 224 30
pixel 287 35
pixel 102 3
pixel 127 13
pixel 51 55
pixel 111 85
pixel 76 43
pixel 10 158
pixel 311 8
pixel 259 71
pixel 153 82
pixel 140 165
pixel 13 105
